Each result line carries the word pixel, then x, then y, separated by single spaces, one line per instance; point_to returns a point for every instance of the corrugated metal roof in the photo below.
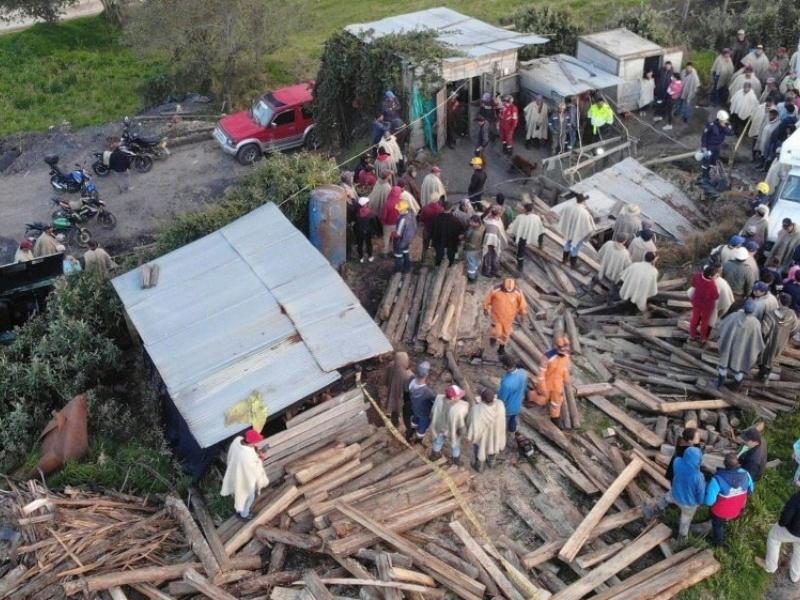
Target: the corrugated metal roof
pixel 547 76
pixel 471 37
pixel 622 43
pixel 253 306
pixel 630 182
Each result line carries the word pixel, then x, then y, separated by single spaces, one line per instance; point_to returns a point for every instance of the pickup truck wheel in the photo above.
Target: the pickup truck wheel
pixel 312 141
pixel 248 154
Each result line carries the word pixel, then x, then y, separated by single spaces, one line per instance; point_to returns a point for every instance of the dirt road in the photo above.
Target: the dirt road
pixel 192 176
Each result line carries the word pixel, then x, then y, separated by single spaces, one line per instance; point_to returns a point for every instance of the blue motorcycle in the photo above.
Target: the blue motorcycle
pixel 74 182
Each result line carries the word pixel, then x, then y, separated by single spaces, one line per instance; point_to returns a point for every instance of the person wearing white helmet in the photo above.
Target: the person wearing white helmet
pixel 711 142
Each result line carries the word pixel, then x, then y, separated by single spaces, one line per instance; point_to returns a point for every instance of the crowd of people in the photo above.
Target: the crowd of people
pixel 50 243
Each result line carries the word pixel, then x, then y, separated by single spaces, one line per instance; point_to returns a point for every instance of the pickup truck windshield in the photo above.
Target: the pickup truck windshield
pixel 791 189
pixel 262 113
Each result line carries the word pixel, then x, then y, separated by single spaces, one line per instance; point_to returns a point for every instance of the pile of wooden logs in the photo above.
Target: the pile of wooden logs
pixel 424 310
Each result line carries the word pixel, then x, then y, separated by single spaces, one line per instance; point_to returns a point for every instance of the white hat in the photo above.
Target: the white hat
pixel 740 253
pixel 363 201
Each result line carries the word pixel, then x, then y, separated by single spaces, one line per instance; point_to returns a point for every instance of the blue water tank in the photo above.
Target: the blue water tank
pixel 327 223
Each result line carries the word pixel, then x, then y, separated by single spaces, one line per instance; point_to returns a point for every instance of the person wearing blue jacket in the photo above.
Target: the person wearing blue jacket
pixel 727 495
pixel 688 489
pixel 513 389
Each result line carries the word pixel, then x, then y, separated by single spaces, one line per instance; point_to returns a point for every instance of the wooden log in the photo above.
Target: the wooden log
pixel 416 305
pixel 545 552
pixel 508 589
pixel 384 567
pixel 269 512
pixel 670 582
pixel 396 323
pixel 450 328
pixel 431 301
pixel 204 586
pixel 443 573
pixel 574 475
pixel 385 309
pixel 737 400
pixel 725 428
pixel 572 332
pixel 96 583
pixel 426 591
pixel 640 431
pixel 656 472
pixel 281 536
pixel 590 559
pixel 451 559
pixel 574 409
pixel 209 529
pixel 333 480
pixel 195 537
pixel 594 389
pixel 315 588
pixel 410 576
pixel 254 584
pixel 150 591
pixel 378 473
pixel 632 551
pixel 695 362
pixel 673 407
pixel 323 466
pixel 516 576
pixel 116 593
pixel 676 559
pixel 397 560
pixel 10 580
pixel 581 535
pixel 641 395
pixel 690 419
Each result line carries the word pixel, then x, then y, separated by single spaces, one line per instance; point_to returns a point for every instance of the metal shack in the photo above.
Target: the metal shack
pixel 252 307
pixel 485 56
pixel 628 56
pixel 560 75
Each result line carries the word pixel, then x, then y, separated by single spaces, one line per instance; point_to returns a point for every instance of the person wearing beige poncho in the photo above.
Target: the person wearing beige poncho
pixel 614 259
pixel 628 222
pixel 487 429
pixel 640 282
pixel 449 422
pixel 576 224
pixel 641 245
pixel 432 188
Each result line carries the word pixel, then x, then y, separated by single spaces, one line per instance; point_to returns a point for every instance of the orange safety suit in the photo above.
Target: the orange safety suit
pixel 504 306
pixel 551 386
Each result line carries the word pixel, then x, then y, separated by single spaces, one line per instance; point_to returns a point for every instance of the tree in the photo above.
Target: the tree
pixel 46 10
pixel 212 46
pixel 559 26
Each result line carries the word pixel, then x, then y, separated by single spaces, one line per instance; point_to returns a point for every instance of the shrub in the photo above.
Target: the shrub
pixel 554 23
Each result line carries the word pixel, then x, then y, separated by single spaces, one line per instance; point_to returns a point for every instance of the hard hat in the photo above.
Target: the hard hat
pixel 723 116
pixel 476 161
pixel 402 206
pixel 763 188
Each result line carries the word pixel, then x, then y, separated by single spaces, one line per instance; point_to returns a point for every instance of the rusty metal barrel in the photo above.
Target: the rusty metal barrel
pixel 327 223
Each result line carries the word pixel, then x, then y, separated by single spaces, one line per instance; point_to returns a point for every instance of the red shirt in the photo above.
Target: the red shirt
pixel 390 214
pixel 367 178
pixel 428 213
pixel 706 292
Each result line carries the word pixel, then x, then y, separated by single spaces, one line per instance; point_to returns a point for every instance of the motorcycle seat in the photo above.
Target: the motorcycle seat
pixel 51 159
pixel 76 204
pixel 148 140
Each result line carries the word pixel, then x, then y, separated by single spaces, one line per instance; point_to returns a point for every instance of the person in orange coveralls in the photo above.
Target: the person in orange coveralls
pixel 555 376
pixel 509 119
pixel 504 303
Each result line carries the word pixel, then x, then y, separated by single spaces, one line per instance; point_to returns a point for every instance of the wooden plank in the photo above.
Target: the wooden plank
pixel 487 563
pixel 676 559
pixel 315 587
pixel 209 529
pixel 675 579
pixel 696 362
pixel 150 591
pixel 269 512
pixel 581 535
pixel 641 395
pixel 640 431
pixel 303 541
pixel 321 467
pixel 590 559
pixel 385 308
pixel 204 586
pixel 573 474
pixel 672 407
pixel 439 570
pixel 411 587
pixel 594 389
pixel 384 565
pixel 634 550
pixel 378 473
pixel 195 537
pixel 451 559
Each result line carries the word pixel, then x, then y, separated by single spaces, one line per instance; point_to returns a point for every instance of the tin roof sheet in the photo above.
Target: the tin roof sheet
pixel 251 307
pixel 550 73
pixel 622 43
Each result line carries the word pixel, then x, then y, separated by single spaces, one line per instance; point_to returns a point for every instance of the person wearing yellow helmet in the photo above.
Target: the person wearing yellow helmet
pixel 477 181
pixel 761 198
pixel 402 236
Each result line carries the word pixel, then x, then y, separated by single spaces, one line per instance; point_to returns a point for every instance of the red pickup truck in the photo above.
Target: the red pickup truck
pixel 278 120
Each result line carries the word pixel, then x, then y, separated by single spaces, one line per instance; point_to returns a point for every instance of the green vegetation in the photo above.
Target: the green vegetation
pixel 76 71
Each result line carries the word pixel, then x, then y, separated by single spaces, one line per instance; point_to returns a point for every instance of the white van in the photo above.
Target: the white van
pixel 787 198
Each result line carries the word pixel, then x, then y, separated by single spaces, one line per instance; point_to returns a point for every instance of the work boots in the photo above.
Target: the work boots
pixel 763 374
pixel 435 455
pixel 477 465
pixel 573 262
pixel 490 461
pixel 556 421
pixel 720 381
pixel 456 460
pixel 501 349
pixel 564 258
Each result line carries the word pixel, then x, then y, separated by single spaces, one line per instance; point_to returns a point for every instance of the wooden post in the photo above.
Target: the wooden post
pixel 197 542
pixel 579 537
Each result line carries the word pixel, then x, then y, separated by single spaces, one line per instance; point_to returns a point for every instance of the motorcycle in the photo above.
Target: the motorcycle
pixel 84 210
pixel 155 146
pixel 66 226
pixel 120 159
pixel 77 181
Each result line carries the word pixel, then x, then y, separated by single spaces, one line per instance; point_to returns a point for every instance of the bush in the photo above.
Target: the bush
pixel 554 23
pixel 648 23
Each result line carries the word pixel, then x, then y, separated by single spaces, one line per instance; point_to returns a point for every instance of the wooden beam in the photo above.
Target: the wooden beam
pixel 205 587
pixel 384 566
pixel 634 550
pixel 635 427
pixel 195 537
pixel 439 570
pixel 580 536
pixel 209 529
pixel 269 512
pixel 315 587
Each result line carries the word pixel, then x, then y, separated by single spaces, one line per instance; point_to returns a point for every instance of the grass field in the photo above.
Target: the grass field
pixel 75 71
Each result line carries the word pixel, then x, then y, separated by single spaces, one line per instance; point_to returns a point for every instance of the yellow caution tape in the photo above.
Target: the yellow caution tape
pixel 532 591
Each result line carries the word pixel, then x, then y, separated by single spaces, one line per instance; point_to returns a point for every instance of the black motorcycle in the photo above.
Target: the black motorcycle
pixel 74 182
pixel 66 226
pixel 120 159
pixel 155 145
pixel 84 211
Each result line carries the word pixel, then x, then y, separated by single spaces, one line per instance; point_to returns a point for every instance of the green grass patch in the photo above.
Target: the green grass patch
pixel 703 59
pixel 76 71
pixel 741 578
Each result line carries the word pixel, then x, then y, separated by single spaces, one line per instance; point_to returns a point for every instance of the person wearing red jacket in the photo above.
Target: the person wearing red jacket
pixel 704 303
pixel 727 494
pixel 509 119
